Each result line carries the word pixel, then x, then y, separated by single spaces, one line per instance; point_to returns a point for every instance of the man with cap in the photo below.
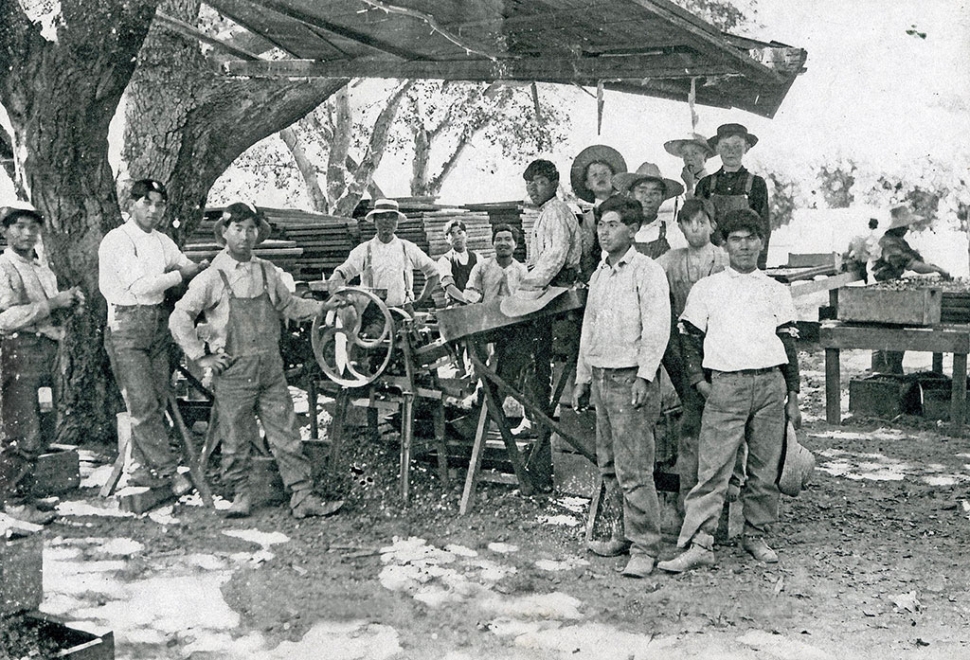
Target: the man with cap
pixel 896 257
pixel 386 261
pixel 734 187
pixel 694 151
pixel 649 187
pixel 243 299
pixel 455 265
pixel 137 264
pixel 31 314
pixel 591 176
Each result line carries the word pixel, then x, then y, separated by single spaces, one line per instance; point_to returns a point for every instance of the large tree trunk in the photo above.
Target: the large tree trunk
pixel 185 123
pixel 60 96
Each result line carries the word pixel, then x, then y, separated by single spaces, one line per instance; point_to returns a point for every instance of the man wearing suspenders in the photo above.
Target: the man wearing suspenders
pixel 29 335
pixel 243 299
pixel 733 187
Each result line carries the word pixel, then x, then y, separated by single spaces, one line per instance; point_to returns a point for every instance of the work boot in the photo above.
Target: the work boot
pixel 695 557
pixel 241 505
pixel 144 478
pixel 639 566
pixel 757 548
pixel 311 505
pixel 181 484
pixel 29 513
pixel 611 548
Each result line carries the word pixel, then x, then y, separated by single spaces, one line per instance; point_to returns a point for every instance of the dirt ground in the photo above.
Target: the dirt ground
pixel 874 564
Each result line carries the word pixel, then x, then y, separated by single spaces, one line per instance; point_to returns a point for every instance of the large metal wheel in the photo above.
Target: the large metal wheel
pixel 353 339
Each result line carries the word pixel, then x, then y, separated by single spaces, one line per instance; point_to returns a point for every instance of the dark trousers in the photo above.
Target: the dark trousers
pixel 27 362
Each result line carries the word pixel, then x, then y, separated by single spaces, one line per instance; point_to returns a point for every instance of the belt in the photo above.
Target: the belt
pixel 749 372
pixel 21 334
pixel 613 370
pixel 136 306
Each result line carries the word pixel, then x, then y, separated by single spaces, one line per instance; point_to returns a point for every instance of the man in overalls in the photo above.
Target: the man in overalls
pixel 243 299
pixel 649 187
pixel 387 262
pixel 733 187
pixel 30 330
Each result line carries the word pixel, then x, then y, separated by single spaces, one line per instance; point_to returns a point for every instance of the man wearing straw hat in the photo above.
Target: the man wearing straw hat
pixel 694 151
pixel 649 187
pixel 387 262
pixel 896 257
pixel 243 299
pixel 591 176
pixel 734 187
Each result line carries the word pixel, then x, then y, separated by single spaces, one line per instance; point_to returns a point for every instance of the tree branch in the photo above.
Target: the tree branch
pixel 307 170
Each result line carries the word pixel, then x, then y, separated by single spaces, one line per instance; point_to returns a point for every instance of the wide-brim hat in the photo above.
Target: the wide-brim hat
pixel 902 216
pixel 237 212
pixel 385 206
pixel 727 130
pixel 627 181
pixel 17 208
pixel 797 465
pixel 526 301
pixel 577 173
pixel 676 147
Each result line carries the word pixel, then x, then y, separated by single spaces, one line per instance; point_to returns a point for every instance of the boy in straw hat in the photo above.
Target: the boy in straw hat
pixel 31 317
pixel 694 151
pixel 734 187
pixel 591 176
pixel 243 299
pixel 625 332
pixel 896 257
pixel 649 187
pixel 388 262
pixel 739 327
pixel 137 264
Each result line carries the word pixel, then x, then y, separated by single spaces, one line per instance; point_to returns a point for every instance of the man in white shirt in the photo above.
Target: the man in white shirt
pixel 387 262
pixel 497 276
pixel 137 264
pixel 738 326
pixel 455 265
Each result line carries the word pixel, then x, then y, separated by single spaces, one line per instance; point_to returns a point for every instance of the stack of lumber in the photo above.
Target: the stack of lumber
pixel 326 241
pixel 510 213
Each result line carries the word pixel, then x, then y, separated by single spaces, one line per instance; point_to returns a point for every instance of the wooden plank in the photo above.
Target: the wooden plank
pixel 459 322
pixel 958 404
pixel 475 463
pixel 831 283
pixel 138 499
pixel 833 387
pixel 937 339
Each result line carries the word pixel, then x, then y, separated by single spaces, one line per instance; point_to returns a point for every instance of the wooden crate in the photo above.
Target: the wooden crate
pixel 21 574
pixel 916 307
pixel 884 395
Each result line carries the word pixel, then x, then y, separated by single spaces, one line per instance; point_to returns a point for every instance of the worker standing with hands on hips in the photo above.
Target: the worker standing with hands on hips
pixel 31 313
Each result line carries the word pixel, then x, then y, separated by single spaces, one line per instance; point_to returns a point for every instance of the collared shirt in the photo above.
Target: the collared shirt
pixel 492 281
pixel 739 314
pixel 26 287
pixel 207 294
pixel 895 258
pixel 447 266
pixel 555 243
pixel 389 266
pixel 137 267
pixel 685 266
pixel 627 319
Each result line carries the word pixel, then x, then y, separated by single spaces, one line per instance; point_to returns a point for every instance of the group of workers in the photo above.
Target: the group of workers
pixel 707 314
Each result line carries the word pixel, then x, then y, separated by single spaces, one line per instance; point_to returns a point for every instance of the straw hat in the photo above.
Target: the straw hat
pixel 383 206
pixel 11 211
pixel 676 147
pixel 797 465
pixel 526 301
pixel 727 130
pixel 902 217
pixel 238 212
pixel 577 173
pixel 627 181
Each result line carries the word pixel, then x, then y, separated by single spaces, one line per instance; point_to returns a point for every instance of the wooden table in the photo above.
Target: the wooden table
pixel 835 336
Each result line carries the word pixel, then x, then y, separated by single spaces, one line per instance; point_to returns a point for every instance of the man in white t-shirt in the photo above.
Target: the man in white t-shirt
pixel 387 262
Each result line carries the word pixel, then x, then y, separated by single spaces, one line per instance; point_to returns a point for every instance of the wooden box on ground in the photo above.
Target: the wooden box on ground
pixel 936 393
pixel 57 471
pixel 52 638
pixel 916 307
pixel 884 395
pixel 21 573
